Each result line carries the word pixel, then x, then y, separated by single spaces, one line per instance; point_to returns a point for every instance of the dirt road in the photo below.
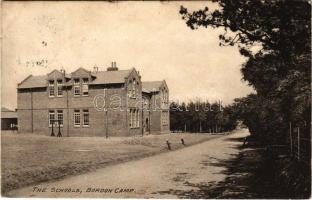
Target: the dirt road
pixel 165 175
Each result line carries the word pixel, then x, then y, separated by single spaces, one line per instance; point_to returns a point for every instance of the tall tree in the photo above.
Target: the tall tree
pixel 280 70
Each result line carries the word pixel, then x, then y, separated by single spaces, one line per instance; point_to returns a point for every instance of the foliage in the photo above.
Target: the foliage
pixel 278 25
pixel 279 71
pixel 201 117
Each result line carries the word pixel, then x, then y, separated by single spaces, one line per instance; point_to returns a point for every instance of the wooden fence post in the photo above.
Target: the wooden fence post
pixel 298 143
pixel 291 148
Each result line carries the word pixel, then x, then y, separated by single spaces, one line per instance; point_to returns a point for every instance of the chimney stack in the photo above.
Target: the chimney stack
pixel 113 67
pixel 95 68
pixel 139 75
pixel 62 71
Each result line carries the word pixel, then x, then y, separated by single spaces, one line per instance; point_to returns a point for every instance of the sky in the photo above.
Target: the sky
pixel 150 36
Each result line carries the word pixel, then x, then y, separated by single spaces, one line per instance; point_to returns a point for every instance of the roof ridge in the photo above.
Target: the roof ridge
pixel 130 71
pixel 53 71
pixel 102 77
pixel 115 70
pixel 151 81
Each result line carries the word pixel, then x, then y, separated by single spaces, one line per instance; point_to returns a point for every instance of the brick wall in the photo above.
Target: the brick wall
pixel 34 106
pixel 38 113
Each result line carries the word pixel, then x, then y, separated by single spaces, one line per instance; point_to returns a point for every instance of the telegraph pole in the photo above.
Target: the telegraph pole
pixel 106 123
pixel 106 114
pixel 142 117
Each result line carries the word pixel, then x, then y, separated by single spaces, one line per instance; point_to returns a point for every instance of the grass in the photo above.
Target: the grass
pixel 28 159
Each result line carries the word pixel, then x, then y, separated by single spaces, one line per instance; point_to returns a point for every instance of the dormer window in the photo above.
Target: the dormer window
pixel 164 97
pixel 85 87
pixel 51 88
pixel 76 81
pixel 133 89
pixel 137 89
pixel 76 87
pixel 59 88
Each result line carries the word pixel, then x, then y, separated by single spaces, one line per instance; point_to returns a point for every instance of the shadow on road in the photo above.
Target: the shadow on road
pixel 240 139
pixel 252 173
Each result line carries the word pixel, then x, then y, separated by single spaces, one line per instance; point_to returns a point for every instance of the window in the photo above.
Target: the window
pixel 134 118
pixel 77 90
pixel 51 88
pixel 138 118
pixel 137 89
pixel 164 97
pixel 76 81
pixel 86 118
pixel 85 87
pixel 59 88
pixel 76 87
pixel 51 117
pixel 77 118
pixel 60 117
pixel 133 89
pixel 131 118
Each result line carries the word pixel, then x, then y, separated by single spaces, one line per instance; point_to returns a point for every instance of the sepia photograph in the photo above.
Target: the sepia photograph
pixel 156 99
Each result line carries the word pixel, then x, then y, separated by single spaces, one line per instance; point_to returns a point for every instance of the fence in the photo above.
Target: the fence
pixel 300 142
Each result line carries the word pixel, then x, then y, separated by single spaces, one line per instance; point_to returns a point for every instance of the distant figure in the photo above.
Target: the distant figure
pixel 59 134
pixel 168 144
pixel 249 141
pixel 245 141
pixel 182 141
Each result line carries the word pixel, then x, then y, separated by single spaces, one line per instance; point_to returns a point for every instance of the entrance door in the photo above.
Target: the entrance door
pixel 147 125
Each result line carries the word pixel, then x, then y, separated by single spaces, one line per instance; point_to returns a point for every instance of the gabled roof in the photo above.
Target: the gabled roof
pixel 151 86
pixel 110 77
pixel 33 82
pixel 81 70
pixel 4 109
pixel 100 77
pixel 6 113
pixel 54 71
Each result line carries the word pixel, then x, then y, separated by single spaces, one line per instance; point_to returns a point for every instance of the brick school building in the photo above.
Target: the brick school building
pixel 92 103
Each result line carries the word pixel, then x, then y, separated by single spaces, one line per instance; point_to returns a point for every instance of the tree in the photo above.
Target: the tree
pixel 278 25
pixel 279 71
pixel 201 117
